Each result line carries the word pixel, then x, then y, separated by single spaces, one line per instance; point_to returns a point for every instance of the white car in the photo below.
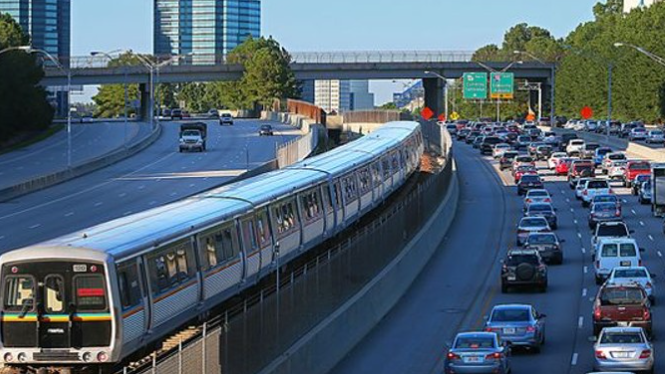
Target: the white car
pixel 579 187
pixel 575 147
pixel 614 252
pixel 638 133
pixel 607 160
pixel 616 169
pixel 655 136
pixel 554 159
pixel 591 126
pixel 594 187
pixel 499 149
pixel 536 196
pixel 637 274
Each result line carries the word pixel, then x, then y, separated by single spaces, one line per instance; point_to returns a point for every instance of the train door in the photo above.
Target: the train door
pixel 54 312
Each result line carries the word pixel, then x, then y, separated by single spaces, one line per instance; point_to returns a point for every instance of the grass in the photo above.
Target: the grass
pixel 32 140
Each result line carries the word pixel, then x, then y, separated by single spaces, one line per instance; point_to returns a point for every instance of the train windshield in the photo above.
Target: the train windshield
pixel 55 304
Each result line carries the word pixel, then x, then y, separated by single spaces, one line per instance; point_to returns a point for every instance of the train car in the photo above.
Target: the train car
pixel 93 297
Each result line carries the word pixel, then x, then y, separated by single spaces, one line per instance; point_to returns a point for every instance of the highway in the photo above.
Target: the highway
pixel 461 283
pixel 50 155
pixel 156 176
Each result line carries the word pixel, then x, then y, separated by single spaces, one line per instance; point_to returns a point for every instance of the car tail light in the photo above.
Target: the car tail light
pixel 600 354
pixel 646 315
pixel 548 200
pixel 597 264
pixel 645 353
pixel 528 200
pixel 618 213
pixel 586 192
pixel 453 356
pixel 597 313
pixel 494 356
pixel 610 191
pixel 530 329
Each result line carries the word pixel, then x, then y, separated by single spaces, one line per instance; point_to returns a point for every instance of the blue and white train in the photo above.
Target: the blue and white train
pixel 93 297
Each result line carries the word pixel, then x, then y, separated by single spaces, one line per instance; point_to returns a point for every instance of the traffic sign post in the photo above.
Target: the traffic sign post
pixel 502 86
pixel 427 113
pixel 475 86
pixel 586 112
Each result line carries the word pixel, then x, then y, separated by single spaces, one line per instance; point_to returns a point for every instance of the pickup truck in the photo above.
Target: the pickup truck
pixel 193 136
pixel 633 169
pixel 574 147
pixel 579 169
pixel 621 305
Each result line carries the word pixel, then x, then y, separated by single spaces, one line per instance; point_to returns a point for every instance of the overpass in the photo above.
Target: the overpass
pixel 93 70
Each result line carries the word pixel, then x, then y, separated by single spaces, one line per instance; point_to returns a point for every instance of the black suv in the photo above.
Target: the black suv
pixel 529 182
pixel 488 144
pixel 548 245
pixel 523 267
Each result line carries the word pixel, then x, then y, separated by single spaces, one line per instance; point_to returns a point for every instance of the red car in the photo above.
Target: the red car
pixel 522 170
pixel 633 169
pixel 563 166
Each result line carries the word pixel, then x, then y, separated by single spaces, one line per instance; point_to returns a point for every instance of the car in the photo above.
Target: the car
pixel 535 196
pixel 655 137
pixel 528 181
pixel 600 154
pixel 523 161
pixel 633 169
pixel 529 225
pixel 634 274
pixel 603 212
pixel 579 187
pixel 614 199
pixel 543 152
pixel 609 253
pixel 532 147
pixel 225 119
pixel 452 129
pixel 477 352
pixel 580 169
pixel 510 138
pixel 607 160
pixel 625 349
pixel 548 245
pixel 213 113
pixel 544 210
pixel 574 147
pixel 588 150
pixel 176 114
pixel 87 118
pixel 462 134
pixel 506 161
pixel 471 137
pixel 610 230
pixel 565 139
pixel 617 169
pixel 563 165
pixel 522 142
pixel 488 144
pixel 266 130
pixel 478 141
pixel 637 183
pixel 521 325
pixel 644 196
pixel 523 170
pixel 594 187
pixel 554 159
pixel 621 305
pixel 500 149
pixel 638 133
pixel 590 126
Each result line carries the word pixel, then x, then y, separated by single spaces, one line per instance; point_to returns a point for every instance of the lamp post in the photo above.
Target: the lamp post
pixel 17 48
pixel 68 71
pixel 445 90
pixel 492 70
pixel 108 56
pixel 540 93
pixel 654 57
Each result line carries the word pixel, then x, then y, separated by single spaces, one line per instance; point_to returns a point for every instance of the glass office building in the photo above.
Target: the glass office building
pixel 207 29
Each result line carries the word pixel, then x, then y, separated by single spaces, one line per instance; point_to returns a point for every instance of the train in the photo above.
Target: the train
pixel 92 298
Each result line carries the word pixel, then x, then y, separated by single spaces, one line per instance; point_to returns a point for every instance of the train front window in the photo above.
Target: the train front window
pixel 90 292
pixel 19 291
pixel 54 287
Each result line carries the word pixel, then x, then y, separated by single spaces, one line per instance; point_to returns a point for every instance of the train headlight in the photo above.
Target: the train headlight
pixel 8 357
pixel 102 357
pixel 22 357
pixel 87 357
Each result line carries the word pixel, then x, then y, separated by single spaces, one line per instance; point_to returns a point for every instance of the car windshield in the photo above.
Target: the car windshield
pixel 597 184
pixel 591 146
pixel 540 208
pixel 530 178
pixel 533 222
pixel 621 338
pixel 656 133
pixel 190 133
pixel 266 127
pixel 510 315
pixel 604 207
pixel 542 239
pixel 619 250
pixel 510 155
pixel 618 164
pixel 474 342
pixel 621 296
pixel 524 168
pixel 640 166
pixel 605 198
pixel 630 273
pixel 617 156
pixel 524 139
pixel 639 129
pixel 524 159
pixel 537 193
pixel 603 151
pixel 612 230
pixel 643 177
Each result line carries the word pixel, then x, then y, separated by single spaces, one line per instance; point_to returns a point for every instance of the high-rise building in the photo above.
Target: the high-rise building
pixel 361 98
pixel 204 28
pixel 629 5
pixel 332 95
pixel 48 22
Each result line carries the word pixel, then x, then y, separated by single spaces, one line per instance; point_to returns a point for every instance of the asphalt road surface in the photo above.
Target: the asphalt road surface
pixel 50 155
pixel 156 176
pixel 461 283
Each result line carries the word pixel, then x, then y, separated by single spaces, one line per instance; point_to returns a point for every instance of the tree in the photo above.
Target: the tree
pixel 388 106
pixel 23 102
pixel 611 7
pixel 519 35
pixel 110 98
pixel 490 52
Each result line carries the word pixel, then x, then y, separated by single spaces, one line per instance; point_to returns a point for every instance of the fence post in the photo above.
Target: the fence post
pixel 154 363
pixel 203 350
pixel 180 356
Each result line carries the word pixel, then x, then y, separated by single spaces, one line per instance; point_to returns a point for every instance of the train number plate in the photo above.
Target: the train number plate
pixel 80 268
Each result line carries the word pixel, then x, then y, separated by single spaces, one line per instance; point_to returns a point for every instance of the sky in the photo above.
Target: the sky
pixel 345 25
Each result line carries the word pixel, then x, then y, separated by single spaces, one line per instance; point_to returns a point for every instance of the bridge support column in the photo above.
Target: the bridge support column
pixel 434 96
pixel 144 96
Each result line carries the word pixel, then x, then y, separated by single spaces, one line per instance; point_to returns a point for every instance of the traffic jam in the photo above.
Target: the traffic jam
pixel 608 203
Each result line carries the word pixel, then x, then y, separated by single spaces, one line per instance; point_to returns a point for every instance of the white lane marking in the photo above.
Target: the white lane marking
pixel 141 187
pixel 580 322
pixel 625 201
pixel 34 226
pixel 99 204
pixel 573 362
pixel 122 195
pixel 641 223
pixel 660 254
pixel 586 269
pixel 584 291
pixel 579 235
pixel 583 250
pixel 633 211
pixel 651 238
pixel 567 200
pixel 572 210
pixel 575 221
pixel 69 214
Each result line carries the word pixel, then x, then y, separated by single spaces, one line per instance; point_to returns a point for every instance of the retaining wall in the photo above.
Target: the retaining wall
pixel 636 149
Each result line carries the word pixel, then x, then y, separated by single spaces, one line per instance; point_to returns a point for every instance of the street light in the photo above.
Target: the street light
pixel 540 91
pixel 16 48
pixel 110 58
pixel 445 90
pixel 654 57
pixel 492 70
pixel 29 49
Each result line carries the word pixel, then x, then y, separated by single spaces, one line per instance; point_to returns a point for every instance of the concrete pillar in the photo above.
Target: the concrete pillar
pixel 144 95
pixel 434 95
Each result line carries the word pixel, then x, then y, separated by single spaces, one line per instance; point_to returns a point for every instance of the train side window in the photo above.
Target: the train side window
pixel 172 265
pixel 385 164
pixel 327 201
pixel 350 188
pixel 19 290
pixel 285 216
pixel 365 179
pixel 310 204
pixel 90 292
pixel 376 173
pixel 263 228
pixel 249 234
pixel 54 292
pixel 230 242
pixel 217 246
pixel 394 156
pixel 128 285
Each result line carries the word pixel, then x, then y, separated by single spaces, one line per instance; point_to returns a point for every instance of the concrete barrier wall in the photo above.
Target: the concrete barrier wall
pixel 110 158
pixel 635 149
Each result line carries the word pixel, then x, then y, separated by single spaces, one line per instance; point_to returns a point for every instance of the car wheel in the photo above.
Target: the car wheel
pixel 596 330
pixel 555 226
pixel 652 300
pixel 599 281
pixel 585 203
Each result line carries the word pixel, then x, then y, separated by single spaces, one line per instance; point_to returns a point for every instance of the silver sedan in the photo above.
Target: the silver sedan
pixel 477 352
pixel 623 349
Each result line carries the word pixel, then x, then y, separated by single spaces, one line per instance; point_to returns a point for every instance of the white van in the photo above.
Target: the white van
pixel 612 252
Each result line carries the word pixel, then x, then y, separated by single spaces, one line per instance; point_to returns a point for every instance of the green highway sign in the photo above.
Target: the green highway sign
pixel 475 86
pixel 502 86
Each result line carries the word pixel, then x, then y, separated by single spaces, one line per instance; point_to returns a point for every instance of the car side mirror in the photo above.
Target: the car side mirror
pixel 643 250
pixel 542 315
pixel 653 275
pixel 631 231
